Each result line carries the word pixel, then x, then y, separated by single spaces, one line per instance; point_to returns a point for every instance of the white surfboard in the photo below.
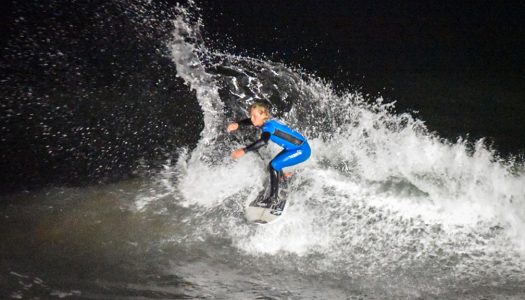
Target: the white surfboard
pixel 264 213
pixel 258 211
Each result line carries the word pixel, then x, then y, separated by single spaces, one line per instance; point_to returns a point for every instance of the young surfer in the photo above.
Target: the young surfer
pixel 296 148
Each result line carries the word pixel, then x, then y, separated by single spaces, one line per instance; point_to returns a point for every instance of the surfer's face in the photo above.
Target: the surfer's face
pixel 258 116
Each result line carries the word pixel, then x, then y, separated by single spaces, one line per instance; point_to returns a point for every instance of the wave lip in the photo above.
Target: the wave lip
pixel 382 200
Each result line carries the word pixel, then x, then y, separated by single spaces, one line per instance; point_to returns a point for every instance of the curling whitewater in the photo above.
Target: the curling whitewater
pixel 383 203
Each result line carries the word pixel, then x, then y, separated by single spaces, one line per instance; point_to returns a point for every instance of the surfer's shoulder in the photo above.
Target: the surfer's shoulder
pixel 271 124
pixel 275 122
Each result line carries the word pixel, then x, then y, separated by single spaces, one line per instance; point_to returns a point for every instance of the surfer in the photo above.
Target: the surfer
pixel 296 149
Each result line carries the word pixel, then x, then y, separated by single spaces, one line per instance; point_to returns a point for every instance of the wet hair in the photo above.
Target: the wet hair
pixel 261 107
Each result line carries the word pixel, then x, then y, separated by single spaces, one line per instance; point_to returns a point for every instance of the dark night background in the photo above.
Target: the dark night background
pixel 88 94
pixel 460 64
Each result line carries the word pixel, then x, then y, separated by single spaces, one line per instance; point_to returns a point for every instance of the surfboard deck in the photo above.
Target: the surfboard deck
pixel 264 213
pixel 261 212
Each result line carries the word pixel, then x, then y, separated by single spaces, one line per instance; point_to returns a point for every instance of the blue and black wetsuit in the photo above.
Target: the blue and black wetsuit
pixel 296 148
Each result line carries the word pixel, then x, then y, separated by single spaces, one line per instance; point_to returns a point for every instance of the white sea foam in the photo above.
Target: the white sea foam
pixel 379 193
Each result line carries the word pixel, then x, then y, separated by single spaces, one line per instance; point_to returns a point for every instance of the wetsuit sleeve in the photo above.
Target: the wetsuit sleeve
pixel 263 141
pixel 245 122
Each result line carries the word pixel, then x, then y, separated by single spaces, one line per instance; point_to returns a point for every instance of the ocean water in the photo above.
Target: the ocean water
pixel 384 209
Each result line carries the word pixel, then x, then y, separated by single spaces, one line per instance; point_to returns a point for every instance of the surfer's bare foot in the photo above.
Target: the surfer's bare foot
pixel 286 176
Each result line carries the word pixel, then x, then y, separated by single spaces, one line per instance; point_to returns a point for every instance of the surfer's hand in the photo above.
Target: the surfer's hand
pixel 238 153
pixel 232 127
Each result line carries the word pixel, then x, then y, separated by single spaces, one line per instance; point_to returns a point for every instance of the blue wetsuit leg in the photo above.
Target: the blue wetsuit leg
pixel 292 157
pixel 286 158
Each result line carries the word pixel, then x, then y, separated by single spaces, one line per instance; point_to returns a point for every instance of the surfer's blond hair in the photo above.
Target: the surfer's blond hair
pixel 261 107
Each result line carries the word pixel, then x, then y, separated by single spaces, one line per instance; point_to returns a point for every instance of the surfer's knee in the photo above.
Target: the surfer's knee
pixel 307 151
pixel 275 165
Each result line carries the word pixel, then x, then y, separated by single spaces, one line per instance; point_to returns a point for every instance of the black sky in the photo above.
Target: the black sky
pixel 418 35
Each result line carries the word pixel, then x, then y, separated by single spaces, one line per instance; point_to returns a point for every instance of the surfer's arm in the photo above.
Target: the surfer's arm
pixel 245 122
pixel 235 125
pixel 263 141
